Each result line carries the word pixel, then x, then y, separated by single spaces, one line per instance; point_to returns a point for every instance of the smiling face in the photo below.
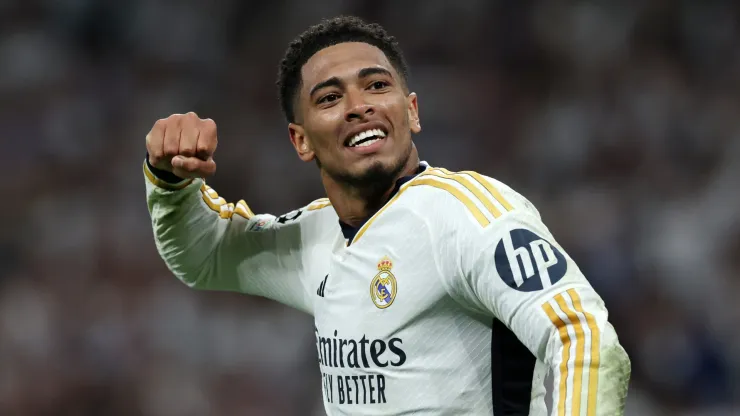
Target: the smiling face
pixel 353 115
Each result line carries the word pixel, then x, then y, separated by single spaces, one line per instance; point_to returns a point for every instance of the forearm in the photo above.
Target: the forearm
pixel 614 375
pixel 184 238
pixel 190 225
pixel 591 368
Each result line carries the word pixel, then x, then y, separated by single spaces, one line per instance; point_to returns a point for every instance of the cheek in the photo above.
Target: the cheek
pixel 400 113
pixel 324 130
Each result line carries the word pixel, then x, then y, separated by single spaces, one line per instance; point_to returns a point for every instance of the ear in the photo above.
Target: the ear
pixel 412 106
pixel 301 142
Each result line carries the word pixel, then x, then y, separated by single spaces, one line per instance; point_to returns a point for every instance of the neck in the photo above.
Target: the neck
pixel 355 205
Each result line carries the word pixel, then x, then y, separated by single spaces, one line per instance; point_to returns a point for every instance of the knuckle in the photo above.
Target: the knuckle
pixel 208 125
pixel 187 145
pixel 170 150
pixel 187 150
pixel 204 148
pixel 154 153
pixel 154 157
pixel 154 135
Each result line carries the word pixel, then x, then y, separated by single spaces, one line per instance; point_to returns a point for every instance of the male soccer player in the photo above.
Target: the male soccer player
pixel 433 292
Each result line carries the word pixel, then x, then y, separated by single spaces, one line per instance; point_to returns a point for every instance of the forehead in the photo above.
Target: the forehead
pixel 343 60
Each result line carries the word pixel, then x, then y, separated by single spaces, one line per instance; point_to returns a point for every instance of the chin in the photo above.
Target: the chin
pixel 373 174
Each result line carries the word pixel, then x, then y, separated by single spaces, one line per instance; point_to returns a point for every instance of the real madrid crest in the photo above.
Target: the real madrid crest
pixel 383 288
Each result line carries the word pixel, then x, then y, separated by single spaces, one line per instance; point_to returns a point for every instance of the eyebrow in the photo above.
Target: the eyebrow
pixel 336 82
pixel 366 72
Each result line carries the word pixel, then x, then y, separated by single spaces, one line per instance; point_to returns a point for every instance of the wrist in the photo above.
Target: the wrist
pixel 162 178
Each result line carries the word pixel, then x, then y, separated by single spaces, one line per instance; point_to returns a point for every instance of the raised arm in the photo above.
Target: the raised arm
pixel 209 243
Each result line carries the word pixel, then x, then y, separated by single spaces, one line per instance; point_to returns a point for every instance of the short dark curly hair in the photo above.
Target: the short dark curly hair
pixel 327 33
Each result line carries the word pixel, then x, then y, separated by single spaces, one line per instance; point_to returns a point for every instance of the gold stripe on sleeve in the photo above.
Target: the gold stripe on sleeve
pixel 211 198
pixel 593 367
pixel 221 207
pixel 575 322
pixel 565 340
pixel 319 204
pixel 243 209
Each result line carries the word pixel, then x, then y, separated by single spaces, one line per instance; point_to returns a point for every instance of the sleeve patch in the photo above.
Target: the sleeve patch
pixel 527 262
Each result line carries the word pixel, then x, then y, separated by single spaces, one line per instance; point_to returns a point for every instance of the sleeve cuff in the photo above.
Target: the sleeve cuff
pixel 162 178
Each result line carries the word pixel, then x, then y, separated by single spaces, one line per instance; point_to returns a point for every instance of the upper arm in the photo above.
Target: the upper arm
pixel 497 257
pixel 528 282
pixel 274 257
pixel 511 267
pixel 518 273
pixel 211 244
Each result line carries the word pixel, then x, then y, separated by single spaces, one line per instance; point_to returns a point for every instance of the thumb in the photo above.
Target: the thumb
pixel 193 167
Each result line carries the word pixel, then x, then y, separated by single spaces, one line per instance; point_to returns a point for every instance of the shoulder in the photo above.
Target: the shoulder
pixel 464 198
pixel 317 210
pixel 315 216
pixel 471 212
pixel 476 215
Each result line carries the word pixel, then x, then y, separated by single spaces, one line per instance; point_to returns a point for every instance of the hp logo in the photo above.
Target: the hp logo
pixel 528 263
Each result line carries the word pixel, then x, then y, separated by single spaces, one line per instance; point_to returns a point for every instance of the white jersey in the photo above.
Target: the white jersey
pixel 453 299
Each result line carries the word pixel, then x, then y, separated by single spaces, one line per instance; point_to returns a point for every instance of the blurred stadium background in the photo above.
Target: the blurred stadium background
pixel 620 120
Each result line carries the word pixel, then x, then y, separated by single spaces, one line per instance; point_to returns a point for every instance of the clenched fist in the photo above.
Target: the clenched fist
pixel 184 145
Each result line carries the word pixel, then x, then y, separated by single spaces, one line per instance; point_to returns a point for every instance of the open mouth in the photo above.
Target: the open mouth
pixel 366 138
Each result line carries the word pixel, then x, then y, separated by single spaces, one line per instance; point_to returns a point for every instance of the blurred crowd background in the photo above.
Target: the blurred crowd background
pixel 620 120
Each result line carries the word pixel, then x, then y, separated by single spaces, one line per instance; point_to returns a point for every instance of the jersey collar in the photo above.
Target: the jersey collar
pixel 349 231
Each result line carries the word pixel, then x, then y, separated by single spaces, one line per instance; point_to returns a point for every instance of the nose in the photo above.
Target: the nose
pixel 358 108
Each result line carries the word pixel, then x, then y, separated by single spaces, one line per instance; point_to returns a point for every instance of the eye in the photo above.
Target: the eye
pixel 328 98
pixel 379 85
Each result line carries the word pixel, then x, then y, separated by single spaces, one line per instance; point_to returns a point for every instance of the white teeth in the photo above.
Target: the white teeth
pixel 364 135
pixel 367 143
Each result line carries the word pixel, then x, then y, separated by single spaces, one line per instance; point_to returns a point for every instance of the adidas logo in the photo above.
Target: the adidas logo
pixel 322 286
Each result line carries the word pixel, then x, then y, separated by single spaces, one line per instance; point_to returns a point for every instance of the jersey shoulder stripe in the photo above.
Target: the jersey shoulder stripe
pixel 482 193
pixel 468 185
pixel 318 204
pixel 490 188
pixel 469 204
pixel 478 195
